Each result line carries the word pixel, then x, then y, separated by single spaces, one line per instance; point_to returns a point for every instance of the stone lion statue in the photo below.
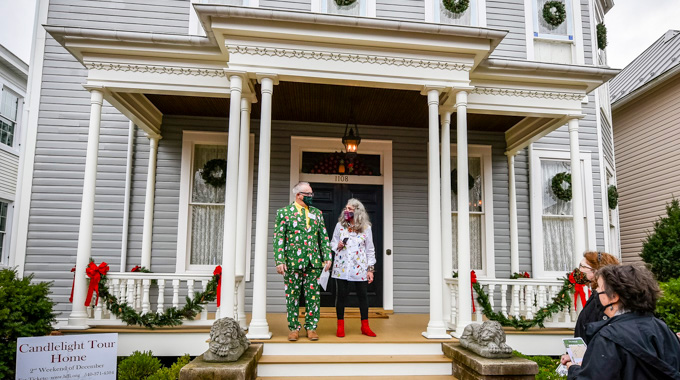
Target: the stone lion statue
pixel 486 339
pixel 227 341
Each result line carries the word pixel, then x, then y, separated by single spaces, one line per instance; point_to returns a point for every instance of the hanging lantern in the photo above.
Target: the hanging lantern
pixel 351 139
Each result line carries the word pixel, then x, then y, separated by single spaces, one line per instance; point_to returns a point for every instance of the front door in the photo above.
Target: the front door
pixel 331 198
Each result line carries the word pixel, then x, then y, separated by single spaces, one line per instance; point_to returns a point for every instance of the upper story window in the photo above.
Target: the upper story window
pixel 553 20
pixel 344 7
pixel 458 12
pixel 9 110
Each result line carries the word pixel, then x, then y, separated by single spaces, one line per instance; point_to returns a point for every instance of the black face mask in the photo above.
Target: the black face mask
pixel 308 200
pixel 610 304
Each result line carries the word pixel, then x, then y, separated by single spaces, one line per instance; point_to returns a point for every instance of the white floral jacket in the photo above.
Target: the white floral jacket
pixel 352 262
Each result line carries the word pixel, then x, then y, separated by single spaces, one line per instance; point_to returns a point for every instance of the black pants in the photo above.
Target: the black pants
pixel 342 291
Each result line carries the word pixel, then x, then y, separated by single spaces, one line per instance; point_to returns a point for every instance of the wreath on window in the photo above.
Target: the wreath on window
pixel 601 36
pixel 344 3
pixel 554 13
pixel 557 188
pixel 454 181
pixel 456 6
pixel 612 196
pixel 211 172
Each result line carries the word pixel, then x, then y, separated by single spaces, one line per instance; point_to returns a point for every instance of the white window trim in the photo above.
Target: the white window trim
pixel 574 29
pixel 610 217
pixel 321 6
pixel 488 254
pixel 16 143
pixel 189 140
pixel 535 156
pixel 6 259
pixel 477 9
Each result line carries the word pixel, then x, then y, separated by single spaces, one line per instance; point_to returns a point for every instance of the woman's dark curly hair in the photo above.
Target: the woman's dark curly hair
pixel 635 285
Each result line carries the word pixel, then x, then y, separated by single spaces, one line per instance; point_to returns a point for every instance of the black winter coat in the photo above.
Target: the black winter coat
pixel 630 346
pixel 593 311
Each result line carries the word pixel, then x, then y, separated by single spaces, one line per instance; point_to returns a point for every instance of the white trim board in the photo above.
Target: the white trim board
pixel 535 156
pixel 299 144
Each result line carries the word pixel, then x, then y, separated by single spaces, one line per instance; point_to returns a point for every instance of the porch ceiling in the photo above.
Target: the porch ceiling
pixel 308 102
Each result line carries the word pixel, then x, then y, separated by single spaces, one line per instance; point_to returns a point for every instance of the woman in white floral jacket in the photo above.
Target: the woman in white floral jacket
pixel 354 261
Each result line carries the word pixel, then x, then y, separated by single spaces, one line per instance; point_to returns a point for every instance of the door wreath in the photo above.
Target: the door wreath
pixel 211 175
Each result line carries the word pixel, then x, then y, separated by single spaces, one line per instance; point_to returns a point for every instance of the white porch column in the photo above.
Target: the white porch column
pixel 242 208
pixel 149 201
pixel 259 328
pixel 231 201
pixel 463 238
pixel 576 193
pixel 447 234
pixel 514 236
pixel 436 329
pixel 78 317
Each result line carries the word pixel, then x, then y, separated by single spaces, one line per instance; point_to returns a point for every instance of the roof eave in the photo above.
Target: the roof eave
pixel 646 88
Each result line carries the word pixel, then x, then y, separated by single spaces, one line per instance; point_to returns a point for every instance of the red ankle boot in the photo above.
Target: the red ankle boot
pixel 365 329
pixel 341 328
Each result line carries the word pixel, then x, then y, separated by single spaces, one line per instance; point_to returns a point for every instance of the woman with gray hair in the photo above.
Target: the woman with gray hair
pixel 354 261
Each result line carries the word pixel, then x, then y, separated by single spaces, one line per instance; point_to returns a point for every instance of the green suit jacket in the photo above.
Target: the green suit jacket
pixel 296 245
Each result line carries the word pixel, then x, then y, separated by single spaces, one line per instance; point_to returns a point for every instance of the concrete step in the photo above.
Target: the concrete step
pixel 416 377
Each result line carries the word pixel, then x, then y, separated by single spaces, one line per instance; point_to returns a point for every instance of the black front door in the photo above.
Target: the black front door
pixel 331 199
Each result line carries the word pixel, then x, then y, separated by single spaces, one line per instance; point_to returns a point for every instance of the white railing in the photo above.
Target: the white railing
pixel 155 292
pixel 518 298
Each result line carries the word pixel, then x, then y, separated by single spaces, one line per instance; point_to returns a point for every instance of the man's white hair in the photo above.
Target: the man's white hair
pixel 298 188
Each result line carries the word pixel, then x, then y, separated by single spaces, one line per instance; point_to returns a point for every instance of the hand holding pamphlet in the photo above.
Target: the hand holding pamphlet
pixel 576 348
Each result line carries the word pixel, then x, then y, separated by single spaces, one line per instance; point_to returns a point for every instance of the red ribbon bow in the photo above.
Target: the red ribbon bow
pixel 72 284
pixel 136 269
pixel 473 280
pixel 218 273
pixel 579 293
pixel 95 274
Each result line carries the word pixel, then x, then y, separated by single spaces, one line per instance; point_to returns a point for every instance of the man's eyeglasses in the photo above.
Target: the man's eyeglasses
pixel 307 194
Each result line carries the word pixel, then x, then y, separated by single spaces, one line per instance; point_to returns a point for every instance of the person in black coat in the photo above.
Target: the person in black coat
pixel 592 310
pixel 632 343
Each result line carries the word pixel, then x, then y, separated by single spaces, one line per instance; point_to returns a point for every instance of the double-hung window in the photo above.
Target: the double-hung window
pixel 4 227
pixel 480 193
pixel 9 110
pixel 474 15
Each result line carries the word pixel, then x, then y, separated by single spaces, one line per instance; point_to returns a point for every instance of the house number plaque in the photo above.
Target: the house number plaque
pixel 341 178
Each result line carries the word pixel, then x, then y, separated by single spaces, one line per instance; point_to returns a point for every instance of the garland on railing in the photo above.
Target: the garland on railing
pixel 561 301
pixel 170 317
pixel 517 275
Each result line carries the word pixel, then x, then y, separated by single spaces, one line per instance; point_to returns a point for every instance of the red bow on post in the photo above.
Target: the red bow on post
pixel 473 280
pixel 136 269
pixel 218 273
pixel 95 274
pixel 72 284
pixel 579 293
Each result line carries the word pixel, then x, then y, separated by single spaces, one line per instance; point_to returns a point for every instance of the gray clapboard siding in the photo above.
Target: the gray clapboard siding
pixel 292 5
pixel 9 168
pixel 413 10
pixel 587 32
pixel 508 15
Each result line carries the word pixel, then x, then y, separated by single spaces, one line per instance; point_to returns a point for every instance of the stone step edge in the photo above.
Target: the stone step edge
pixel 351 359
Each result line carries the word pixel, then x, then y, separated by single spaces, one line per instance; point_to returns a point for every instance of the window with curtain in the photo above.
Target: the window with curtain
pixel 613 218
pixel 206 209
pixel 9 107
pixel 545 30
pixel 464 18
pixel 4 214
pixel 557 220
pixel 354 9
pixel 476 207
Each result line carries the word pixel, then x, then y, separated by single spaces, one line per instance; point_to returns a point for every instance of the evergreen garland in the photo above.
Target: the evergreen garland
pixel 208 173
pixel 558 190
pixel 601 36
pixel 344 3
pixel 171 317
pixel 554 13
pixel 456 6
pixel 612 197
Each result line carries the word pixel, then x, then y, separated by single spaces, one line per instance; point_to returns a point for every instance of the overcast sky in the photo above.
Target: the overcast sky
pixel 632 25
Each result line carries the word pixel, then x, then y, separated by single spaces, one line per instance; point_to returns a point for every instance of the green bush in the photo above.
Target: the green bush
pixel 138 366
pixel 546 366
pixel 25 310
pixel 668 306
pixel 171 373
pixel 661 250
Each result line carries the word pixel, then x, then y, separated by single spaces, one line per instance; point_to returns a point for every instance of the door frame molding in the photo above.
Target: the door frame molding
pixel 299 144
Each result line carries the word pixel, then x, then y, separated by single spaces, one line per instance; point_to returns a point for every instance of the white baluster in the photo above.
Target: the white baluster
pixel 146 304
pixel 98 310
pixel 237 284
pixel 131 292
pixel 122 292
pixel 115 292
pixel 529 302
pixel 453 292
pixel 492 289
pixel 175 293
pixel 161 296
pixel 138 295
pixel 190 289
pixel 553 294
pixel 204 313
pixel 504 299
pixel 516 300
pixel 478 307
pixel 541 296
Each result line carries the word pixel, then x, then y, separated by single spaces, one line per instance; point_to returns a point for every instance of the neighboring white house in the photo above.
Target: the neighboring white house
pixel 13 80
pixel 136 97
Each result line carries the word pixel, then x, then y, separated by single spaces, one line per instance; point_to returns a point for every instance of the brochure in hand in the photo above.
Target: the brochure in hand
pixel 576 348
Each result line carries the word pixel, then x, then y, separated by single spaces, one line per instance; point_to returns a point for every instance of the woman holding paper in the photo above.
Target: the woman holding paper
pixel 631 343
pixel 354 261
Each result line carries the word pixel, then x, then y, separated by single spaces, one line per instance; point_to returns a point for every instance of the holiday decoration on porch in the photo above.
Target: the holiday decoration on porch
pixel 579 280
pixel 516 275
pixel 554 13
pixel 141 269
pixel 339 163
pixel 557 188
pixel 170 317
pixel 456 6
pixel 344 3
pixel 214 172
pixel 560 302
pixel 612 197
pixel 454 181
pixel 601 36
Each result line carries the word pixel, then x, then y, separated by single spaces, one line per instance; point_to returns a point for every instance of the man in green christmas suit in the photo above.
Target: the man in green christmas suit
pixel 301 251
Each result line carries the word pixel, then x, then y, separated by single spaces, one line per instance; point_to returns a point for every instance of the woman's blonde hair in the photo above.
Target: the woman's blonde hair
pixel 361 219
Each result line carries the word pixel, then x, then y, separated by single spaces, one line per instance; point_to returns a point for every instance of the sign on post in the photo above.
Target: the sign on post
pixel 78 356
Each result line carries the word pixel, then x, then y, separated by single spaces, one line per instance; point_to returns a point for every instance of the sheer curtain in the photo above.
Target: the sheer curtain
pixel 558 231
pixel 207 209
pixel 476 212
pixel 544 27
